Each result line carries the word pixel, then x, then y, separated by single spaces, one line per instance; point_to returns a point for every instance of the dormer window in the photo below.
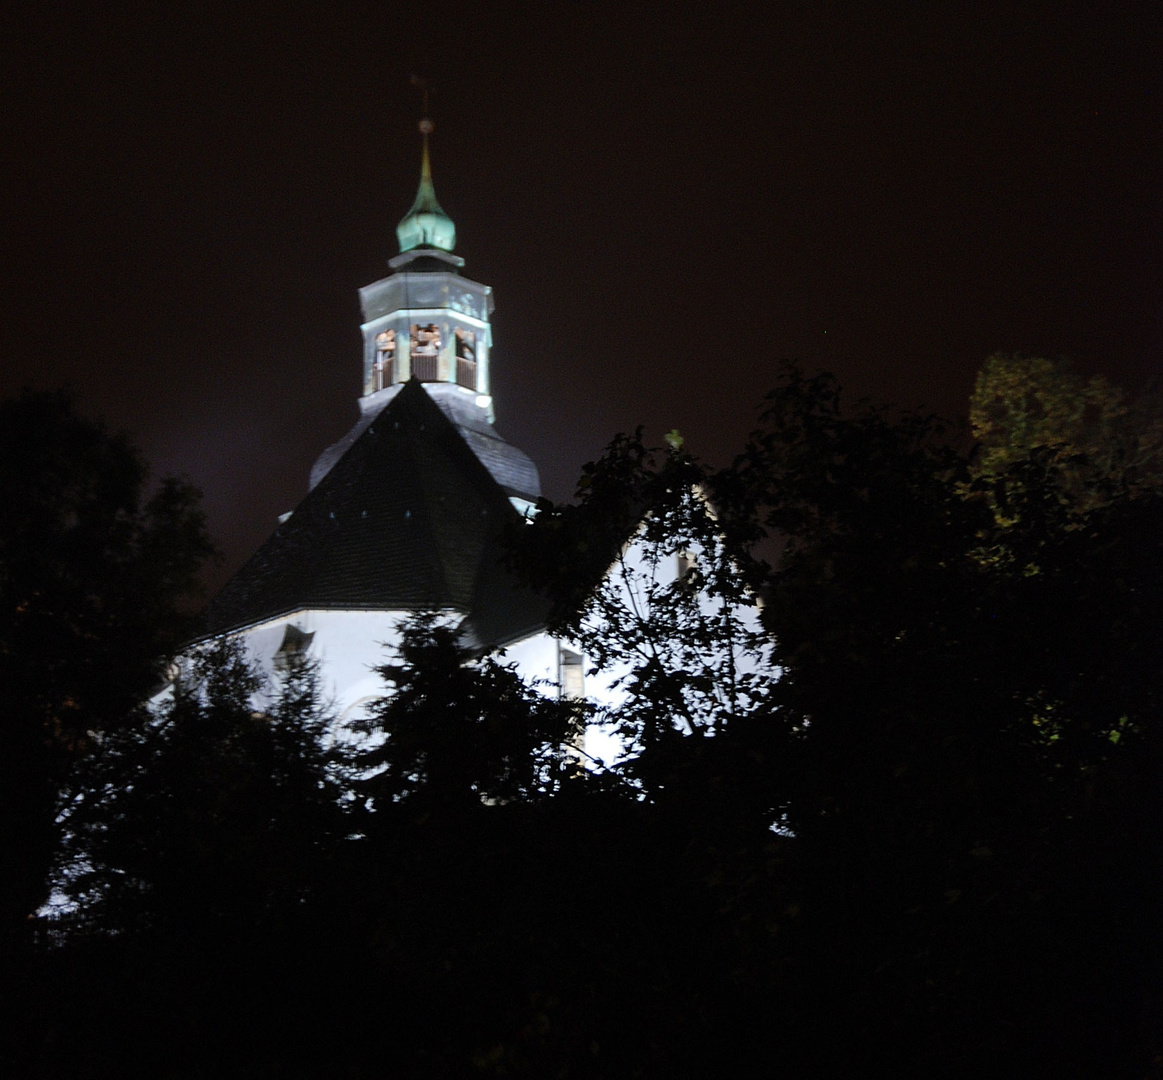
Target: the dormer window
pixel 294 646
pixel 466 359
pixel 383 367
pixel 425 352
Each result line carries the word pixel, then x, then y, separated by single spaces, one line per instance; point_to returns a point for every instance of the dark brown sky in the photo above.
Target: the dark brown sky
pixel 667 199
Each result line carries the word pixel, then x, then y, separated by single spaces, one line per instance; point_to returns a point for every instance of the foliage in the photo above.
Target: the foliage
pixel 458 729
pixel 662 603
pixel 1022 402
pixel 954 712
pixel 205 813
pixel 974 733
pixel 872 591
pixel 97 572
pixel 899 644
pixel 1102 443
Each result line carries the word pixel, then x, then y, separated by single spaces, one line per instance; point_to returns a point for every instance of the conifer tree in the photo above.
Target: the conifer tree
pixel 457 729
pixel 206 814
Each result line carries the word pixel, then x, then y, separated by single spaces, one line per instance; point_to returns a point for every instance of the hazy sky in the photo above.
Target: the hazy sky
pixel 666 198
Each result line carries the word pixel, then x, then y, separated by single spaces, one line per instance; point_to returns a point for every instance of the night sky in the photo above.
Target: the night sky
pixel 666 198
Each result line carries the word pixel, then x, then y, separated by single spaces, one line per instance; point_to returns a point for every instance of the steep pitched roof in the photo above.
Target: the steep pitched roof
pixel 511 468
pixel 407 519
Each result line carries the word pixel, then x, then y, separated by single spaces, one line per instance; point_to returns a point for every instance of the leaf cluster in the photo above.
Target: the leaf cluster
pixel 1101 443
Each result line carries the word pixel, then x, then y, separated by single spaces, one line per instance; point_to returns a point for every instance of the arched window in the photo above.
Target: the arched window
pixel 466 358
pixel 426 352
pixel 383 367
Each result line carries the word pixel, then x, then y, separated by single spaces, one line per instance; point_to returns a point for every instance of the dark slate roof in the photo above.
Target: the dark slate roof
pixel 407 519
pixel 513 469
pixel 426 264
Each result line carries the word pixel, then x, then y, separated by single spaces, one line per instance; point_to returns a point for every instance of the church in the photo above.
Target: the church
pixel 407 511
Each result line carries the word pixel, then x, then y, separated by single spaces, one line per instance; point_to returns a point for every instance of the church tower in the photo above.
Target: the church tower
pixel 408 511
pixel 426 322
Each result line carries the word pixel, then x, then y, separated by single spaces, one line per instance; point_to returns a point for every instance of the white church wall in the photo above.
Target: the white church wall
pixel 536 660
pixel 348 645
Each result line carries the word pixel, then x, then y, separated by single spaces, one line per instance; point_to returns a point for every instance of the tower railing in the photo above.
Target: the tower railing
pixel 382 374
pixel 466 373
pixel 426 368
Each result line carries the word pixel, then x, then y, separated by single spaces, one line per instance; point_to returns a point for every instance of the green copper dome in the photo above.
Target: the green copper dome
pixel 426 224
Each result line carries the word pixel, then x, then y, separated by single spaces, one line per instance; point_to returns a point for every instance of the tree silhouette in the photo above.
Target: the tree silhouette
pixel 206 816
pixel 949 714
pixel 98 571
pixel 647 581
pixel 456 729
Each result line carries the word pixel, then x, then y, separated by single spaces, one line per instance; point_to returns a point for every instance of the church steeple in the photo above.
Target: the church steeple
pixel 426 224
pixel 427 323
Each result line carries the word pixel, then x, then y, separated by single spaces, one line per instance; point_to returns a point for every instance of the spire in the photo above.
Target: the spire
pixel 426 224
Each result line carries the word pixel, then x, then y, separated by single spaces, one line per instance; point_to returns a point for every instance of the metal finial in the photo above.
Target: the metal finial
pixel 425 87
pixel 426 224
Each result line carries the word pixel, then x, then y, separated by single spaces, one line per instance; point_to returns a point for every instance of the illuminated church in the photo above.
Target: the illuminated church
pixel 407 511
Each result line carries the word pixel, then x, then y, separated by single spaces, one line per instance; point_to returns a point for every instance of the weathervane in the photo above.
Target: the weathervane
pixel 425 87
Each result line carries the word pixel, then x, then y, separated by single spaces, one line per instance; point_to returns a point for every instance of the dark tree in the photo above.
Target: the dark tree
pixel 956 716
pixel 975 698
pixel 206 817
pixel 953 712
pixel 457 729
pixel 663 600
pixel 98 570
